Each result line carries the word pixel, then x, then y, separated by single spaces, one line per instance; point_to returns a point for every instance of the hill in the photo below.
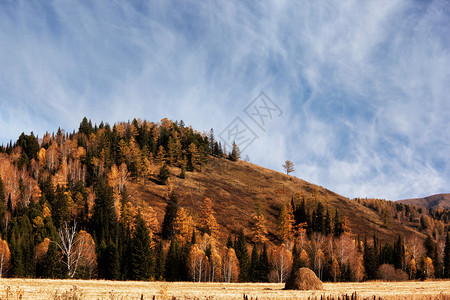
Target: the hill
pixel 237 187
pixel 120 184
pixel 433 202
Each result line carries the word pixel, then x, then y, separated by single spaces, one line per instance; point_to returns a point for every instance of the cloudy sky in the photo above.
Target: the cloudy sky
pixel 361 88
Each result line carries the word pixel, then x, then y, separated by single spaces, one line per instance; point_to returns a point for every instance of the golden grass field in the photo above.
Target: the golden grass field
pixel 100 289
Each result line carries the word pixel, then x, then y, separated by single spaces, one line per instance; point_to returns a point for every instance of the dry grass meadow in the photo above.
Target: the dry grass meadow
pixel 99 289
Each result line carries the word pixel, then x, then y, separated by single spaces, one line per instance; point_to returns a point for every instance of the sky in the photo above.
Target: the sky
pixel 355 93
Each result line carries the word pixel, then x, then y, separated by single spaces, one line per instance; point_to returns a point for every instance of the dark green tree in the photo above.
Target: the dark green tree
pixel 318 220
pixel 50 266
pixel 108 261
pixel 104 220
pixel 242 255
pixel 163 174
pixel 167 230
pixel 174 267
pixel 338 229
pixel 142 261
pixel 29 145
pixel 254 265
pixel 160 262
pixel 447 257
pixel 398 253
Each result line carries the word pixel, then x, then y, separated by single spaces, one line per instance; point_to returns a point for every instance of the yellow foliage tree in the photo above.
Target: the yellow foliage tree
pixel 259 227
pixel 428 267
pixel 184 225
pixel 208 221
pixel 5 257
pixel 304 259
pixel 286 223
pixel 197 263
pixel 230 266
pixel 282 262
pixel 335 270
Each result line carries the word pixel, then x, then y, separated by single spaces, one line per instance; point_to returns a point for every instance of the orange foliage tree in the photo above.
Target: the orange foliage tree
pixel 5 257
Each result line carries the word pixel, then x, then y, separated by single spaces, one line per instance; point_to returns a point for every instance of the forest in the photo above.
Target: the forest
pixel 65 212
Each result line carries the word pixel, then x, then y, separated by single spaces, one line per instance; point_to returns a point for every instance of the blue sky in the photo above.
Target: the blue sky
pixel 363 86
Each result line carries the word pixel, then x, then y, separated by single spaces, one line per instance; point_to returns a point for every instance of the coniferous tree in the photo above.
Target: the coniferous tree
pixel 229 241
pixel 264 265
pixel 108 261
pixel 104 220
pixel 398 253
pixel 142 262
pixel 242 255
pixel 370 258
pixel 163 174
pixel 318 219
pixel 327 224
pixel 160 262
pixel 167 230
pixel 338 229
pixel 254 264
pixel 235 153
pixel 174 267
pixel 50 266
pixel 447 256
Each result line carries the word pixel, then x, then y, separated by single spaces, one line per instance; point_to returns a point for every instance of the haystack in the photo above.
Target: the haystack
pixel 303 279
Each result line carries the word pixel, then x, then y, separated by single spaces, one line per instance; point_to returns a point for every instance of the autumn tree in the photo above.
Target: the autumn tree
pixel 335 270
pixel 286 223
pixel 67 238
pixel 235 153
pixel 208 220
pixel 230 266
pixel 85 250
pixel 282 263
pixel 197 262
pixel 5 257
pixel 259 226
pixel 428 267
pixel 288 167
pixel 183 226
pixel 193 157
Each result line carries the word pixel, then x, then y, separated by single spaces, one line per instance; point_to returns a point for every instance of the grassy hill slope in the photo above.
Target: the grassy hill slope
pixel 236 187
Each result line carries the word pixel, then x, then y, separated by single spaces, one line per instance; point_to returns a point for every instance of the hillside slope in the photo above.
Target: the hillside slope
pixel 236 187
pixel 434 201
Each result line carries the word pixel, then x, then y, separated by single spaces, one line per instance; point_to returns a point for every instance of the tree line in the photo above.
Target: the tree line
pixel 65 213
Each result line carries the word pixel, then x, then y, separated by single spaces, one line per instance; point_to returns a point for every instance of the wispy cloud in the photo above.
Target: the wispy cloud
pixel 363 85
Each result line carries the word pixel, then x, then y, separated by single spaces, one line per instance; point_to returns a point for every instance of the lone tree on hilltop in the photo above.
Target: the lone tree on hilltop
pixel 235 153
pixel 288 166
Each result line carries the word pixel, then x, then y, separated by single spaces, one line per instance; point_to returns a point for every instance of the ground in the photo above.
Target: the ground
pixel 100 289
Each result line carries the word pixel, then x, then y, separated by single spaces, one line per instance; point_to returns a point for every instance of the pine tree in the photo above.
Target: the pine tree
pixel 242 255
pixel 167 230
pixel 254 264
pixel 108 261
pixel 142 263
pixel 160 262
pixel 338 230
pixel 398 253
pixel 51 266
pixel 318 224
pixel 447 257
pixel 174 268
pixel 164 174
pixel 235 153
pixel 104 220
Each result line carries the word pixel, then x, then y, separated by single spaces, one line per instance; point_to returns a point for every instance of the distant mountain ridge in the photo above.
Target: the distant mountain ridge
pixel 434 201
